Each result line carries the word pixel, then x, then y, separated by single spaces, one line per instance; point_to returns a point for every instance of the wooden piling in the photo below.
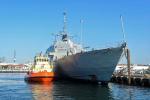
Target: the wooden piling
pixel 128 63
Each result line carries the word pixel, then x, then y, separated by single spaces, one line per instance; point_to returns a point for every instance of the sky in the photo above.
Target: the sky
pixel 26 26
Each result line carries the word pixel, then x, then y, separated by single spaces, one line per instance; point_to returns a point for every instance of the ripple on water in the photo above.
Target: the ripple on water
pixel 13 87
pixel 125 92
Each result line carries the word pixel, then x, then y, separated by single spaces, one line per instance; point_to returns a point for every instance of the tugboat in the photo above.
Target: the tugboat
pixel 41 71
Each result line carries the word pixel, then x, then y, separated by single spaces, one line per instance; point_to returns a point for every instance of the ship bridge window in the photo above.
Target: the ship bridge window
pixel 36 60
pixel 51 56
pixel 40 60
pixel 45 60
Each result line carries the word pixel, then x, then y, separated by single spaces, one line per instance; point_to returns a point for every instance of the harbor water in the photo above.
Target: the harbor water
pixel 13 87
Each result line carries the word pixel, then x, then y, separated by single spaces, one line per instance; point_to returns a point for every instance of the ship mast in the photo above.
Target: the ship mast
pixel 64 34
pixel 65 23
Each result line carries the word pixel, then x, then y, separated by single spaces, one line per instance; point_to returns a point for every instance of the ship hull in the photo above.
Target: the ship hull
pixel 40 77
pixel 96 65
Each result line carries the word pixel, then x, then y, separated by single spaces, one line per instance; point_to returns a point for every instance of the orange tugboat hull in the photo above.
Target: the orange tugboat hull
pixel 40 77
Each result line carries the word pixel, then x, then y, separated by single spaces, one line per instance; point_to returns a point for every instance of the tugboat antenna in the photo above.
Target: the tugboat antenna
pixel 122 26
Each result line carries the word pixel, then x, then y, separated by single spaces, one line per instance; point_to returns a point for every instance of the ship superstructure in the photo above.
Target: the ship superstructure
pixel 72 61
pixel 63 46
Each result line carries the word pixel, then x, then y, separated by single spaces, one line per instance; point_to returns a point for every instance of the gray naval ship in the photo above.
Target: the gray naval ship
pixel 73 61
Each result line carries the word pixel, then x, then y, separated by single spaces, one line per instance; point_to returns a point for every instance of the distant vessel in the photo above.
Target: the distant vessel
pixel 41 71
pixel 73 61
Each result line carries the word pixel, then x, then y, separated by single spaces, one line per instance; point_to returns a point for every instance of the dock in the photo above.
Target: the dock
pixel 13 68
pixel 135 81
pixel 139 75
pixel 130 76
pixel 14 71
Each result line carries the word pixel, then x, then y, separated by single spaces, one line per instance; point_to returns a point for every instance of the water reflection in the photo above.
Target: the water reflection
pixel 69 91
pixel 41 91
pixel 79 91
pixel 13 87
pixel 124 92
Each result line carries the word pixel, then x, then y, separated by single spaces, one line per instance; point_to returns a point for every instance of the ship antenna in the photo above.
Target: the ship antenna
pixel 81 31
pixel 65 23
pixel 122 26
